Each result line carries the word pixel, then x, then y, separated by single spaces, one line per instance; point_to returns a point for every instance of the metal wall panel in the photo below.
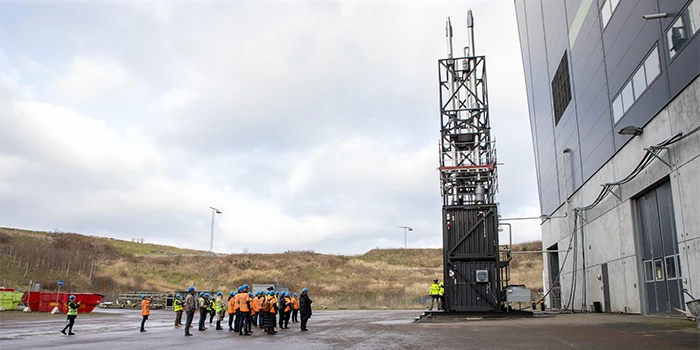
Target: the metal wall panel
pixel 470 243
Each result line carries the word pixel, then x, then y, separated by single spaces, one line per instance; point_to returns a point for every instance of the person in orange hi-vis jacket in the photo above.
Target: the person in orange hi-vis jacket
pixel 295 308
pixel 145 310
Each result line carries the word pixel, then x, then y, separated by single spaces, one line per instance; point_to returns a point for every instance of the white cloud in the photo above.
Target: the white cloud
pixel 90 78
pixel 174 100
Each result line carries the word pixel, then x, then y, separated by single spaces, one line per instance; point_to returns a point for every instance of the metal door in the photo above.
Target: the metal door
pixel 606 286
pixel 659 257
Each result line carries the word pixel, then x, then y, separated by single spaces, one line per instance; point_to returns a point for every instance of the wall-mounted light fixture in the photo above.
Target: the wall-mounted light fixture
pixel 630 130
pixel 655 16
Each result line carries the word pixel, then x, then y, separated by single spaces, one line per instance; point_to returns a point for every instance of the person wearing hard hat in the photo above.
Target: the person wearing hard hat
pixel 71 315
pixel 212 308
pixel 219 308
pixel 305 308
pixel 442 296
pixel 231 309
pixel 177 307
pixel 145 310
pixel 295 308
pixel 435 293
pixel 190 306
pixel 269 313
pixel 203 310
pixel 244 310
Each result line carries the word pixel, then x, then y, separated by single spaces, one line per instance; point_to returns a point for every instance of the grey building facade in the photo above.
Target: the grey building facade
pixel 624 232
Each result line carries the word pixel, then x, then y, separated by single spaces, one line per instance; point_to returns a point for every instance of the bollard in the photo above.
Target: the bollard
pixel 542 305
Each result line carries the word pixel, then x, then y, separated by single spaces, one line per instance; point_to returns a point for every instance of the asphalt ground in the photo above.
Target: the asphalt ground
pixel 362 329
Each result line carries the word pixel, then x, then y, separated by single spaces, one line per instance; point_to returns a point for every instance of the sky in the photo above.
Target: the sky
pixel 311 125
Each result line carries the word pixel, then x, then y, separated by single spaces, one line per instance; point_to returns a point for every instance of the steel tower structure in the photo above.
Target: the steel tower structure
pixel 474 273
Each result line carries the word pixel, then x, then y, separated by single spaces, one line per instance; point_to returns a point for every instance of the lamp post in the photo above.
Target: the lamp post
pixel 214 211
pixel 405 258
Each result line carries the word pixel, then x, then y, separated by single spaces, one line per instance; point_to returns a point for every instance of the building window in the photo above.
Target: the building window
pixel 685 26
pixel 671 267
pixel 640 81
pixel 607 8
pixel 649 271
pixel 561 89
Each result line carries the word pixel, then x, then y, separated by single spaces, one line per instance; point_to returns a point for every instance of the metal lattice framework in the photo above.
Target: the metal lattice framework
pixel 467 152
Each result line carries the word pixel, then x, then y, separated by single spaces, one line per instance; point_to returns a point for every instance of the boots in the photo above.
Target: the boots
pixel 218 326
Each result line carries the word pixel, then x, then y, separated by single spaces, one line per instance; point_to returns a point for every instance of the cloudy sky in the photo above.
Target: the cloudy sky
pixel 312 125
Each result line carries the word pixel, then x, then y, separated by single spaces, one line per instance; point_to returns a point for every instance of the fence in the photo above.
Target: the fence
pixel 369 301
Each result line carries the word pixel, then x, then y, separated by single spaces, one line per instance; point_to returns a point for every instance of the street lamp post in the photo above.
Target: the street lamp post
pixel 214 211
pixel 405 258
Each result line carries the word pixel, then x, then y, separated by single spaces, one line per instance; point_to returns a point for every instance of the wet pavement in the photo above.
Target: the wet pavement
pixel 363 329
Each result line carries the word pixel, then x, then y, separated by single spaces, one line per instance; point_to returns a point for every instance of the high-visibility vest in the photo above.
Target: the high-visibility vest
pixel 72 309
pixel 256 304
pixel 232 305
pixel 288 303
pixel 177 305
pixel 434 289
pixel 295 302
pixel 273 304
pixel 243 299
pixel 145 307
pixel 211 305
pixel 217 305
pixel 442 289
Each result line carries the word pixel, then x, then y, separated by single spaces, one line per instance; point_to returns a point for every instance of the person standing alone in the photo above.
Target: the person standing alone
pixel 71 315
pixel 304 308
pixel 190 306
pixel 435 293
pixel 145 310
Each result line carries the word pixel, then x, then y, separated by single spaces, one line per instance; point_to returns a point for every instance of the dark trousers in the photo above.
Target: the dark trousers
pixel 245 322
pixel 188 321
pixel 254 319
pixel 178 318
pixel 432 301
pixel 303 323
pixel 295 312
pixel 202 318
pixel 281 316
pixel 143 322
pixel 287 315
pixel 237 322
pixel 69 325
pixel 230 321
pixel 211 316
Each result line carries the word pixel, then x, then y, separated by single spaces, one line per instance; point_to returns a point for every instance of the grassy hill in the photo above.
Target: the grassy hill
pixel 110 266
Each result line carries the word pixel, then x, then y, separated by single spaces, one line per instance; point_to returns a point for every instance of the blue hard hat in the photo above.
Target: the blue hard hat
pixel 245 286
pixel 240 288
pixel 71 297
pixel 250 294
pixel 190 289
pixel 143 296
pixel 295 294
pixel 304 290
pixel 206 294
pixel 201 294
pixel 232 294
pixel 179 296
pixel 219 293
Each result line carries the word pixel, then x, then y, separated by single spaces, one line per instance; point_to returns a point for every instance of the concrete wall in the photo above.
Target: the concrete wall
pixel 608 234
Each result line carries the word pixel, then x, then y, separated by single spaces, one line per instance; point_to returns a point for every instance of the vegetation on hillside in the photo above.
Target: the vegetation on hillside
pixel 110 266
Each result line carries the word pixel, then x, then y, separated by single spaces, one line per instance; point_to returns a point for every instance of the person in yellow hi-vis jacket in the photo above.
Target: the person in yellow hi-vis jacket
pixel 177 307
pixel 71 315
pixel 435 293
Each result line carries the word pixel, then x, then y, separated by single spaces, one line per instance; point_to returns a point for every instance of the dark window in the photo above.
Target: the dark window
pixel 561 89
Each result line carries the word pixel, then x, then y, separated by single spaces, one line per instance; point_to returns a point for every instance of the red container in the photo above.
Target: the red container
pixel 46 301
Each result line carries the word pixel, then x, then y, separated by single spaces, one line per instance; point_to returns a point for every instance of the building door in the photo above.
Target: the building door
pixel 659 258
pixel 555 287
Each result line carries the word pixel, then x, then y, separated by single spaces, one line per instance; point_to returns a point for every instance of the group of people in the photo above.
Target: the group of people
pixel 246 310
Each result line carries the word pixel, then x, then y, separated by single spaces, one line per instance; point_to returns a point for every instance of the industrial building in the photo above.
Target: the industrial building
pixel 614 105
